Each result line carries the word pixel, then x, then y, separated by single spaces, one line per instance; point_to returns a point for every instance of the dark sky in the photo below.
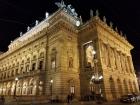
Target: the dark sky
pixel 16 15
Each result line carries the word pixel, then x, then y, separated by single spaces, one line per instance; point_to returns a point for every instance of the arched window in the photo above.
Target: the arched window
pixel 34 57
pixel 28 60
pixel 41 55
pixel 71 85
pixel 40 65
pixel 34 62
pixel 24 89
pixel 53 58
pixel 27 68
pixel 34 66
pixel 41 61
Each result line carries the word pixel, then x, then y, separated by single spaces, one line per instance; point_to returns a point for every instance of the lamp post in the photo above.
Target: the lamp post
pixel 51 82
pixel 16 79
pixel 96 79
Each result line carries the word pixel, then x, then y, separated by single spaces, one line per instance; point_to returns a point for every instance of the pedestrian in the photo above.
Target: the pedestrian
pixel 68 98
pixel 71 97
pixel 2 100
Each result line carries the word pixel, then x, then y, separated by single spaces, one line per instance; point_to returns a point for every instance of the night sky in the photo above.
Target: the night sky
pixel 16 15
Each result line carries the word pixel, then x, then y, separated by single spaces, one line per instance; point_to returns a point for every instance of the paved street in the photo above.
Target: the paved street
pixel 77 103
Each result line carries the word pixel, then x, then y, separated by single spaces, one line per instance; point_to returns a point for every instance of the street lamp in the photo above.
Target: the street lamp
pixel 51 82
pixel 96 78
pixel 16 79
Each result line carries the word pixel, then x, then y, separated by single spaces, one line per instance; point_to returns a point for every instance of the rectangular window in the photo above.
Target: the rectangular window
pixel 72 89
pixel 21 69
pixel 53 64
pixel 33 66
pixel 40 64
pixel 27 68
pixel 16 71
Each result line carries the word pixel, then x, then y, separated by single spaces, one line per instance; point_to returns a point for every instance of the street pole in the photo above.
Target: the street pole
pixel 96 78
pixel 16 79
pixel 51 82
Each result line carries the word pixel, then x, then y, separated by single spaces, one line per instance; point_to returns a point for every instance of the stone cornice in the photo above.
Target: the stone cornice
pixel 95 22
pixel 104 25
pixel 55 26
pixel 44 24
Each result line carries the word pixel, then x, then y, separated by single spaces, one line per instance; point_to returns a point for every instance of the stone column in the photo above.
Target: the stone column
pixel 131 64
pixel 108 56
pixel 115 58
pixel 37 62
pixel 121 62
pixel 102 53
pixel 126 64
pixel 19 66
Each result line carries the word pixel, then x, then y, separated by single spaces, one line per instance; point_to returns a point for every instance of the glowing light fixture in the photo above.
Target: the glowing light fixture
pixel 77 23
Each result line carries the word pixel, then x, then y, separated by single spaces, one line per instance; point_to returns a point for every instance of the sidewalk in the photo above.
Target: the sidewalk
pixel 75 103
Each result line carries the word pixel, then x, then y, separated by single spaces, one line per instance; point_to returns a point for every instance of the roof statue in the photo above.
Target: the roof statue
pixel 71 11
pixel 28 28
pixel 97 13
pixel 68 8
pixel 60 4
pixel 36 22
pixel 125 36
pixel 91 13
pixel 21 33
pixel 81 20
pixel 111 24
pixel 116 29
pixel 121 33
pixel 46 14
pixel 104 19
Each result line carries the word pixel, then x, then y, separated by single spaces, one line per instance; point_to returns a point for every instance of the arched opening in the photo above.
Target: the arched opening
pixel 120 89
pixel 125 87
pixel 89 56
pixel 131 88
pixel 71 85
pixel 53 58
pixel 112 89
pixel 32 87
pixel 25 88
pixel 135 87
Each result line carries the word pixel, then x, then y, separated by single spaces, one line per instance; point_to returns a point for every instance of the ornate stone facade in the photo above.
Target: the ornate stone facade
pixel 138 77
pixel 53 60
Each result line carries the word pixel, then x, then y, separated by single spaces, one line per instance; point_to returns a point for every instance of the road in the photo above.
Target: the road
pixel 76 103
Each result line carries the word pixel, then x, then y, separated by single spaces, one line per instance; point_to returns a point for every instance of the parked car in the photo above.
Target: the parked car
pixel 137 97
pixel 128 98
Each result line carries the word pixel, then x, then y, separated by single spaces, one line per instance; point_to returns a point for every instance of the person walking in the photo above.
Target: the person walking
pixel 2 100
pixel 68 98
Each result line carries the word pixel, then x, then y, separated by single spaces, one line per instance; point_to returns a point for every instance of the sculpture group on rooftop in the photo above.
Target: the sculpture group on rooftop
pixel 68 8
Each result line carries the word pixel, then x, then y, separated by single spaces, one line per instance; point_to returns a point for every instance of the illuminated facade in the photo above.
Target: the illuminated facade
pixel 55 58
pixel 138 77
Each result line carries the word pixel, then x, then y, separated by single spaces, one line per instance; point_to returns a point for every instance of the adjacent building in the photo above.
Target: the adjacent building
pixel 57 57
